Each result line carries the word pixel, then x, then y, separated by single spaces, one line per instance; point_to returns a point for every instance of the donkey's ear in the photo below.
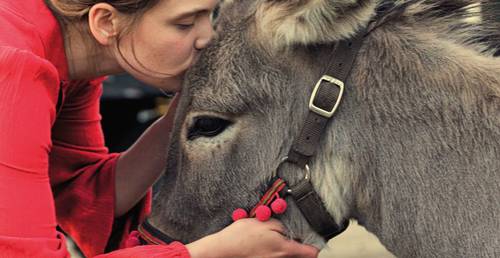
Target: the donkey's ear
pixel 282 23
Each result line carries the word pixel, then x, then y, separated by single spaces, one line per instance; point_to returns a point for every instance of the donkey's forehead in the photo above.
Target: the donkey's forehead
pixel 233 74
pixel 230 75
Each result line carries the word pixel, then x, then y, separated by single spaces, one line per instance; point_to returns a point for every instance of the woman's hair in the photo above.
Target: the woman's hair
pixel 68 11
pixel 75 13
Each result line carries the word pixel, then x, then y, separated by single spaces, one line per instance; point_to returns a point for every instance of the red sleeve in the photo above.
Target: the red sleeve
pixel 173 250
pixel 81 170
pixel 82 173
pixel 28 96
pixel 33 247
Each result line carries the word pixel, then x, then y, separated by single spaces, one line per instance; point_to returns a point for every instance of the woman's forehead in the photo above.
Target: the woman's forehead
pixel 185 8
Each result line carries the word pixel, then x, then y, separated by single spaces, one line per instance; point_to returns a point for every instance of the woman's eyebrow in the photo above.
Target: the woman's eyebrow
pixel 191 13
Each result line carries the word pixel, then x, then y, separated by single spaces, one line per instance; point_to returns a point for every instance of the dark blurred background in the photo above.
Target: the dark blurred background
pixel 128 107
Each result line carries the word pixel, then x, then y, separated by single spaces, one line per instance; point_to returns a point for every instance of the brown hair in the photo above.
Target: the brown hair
pixel 75 13
pixel 68 11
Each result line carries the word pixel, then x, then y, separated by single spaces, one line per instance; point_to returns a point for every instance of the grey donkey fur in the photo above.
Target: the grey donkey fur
pixel 413 153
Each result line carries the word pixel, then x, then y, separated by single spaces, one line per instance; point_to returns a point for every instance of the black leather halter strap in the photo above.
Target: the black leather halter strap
pixel 325 99
pixel 149 235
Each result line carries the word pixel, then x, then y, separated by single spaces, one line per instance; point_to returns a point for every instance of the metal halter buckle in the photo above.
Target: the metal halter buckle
pixel 334 82
pixel 307 175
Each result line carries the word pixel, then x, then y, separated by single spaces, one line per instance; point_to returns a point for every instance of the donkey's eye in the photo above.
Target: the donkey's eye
pixel 205 126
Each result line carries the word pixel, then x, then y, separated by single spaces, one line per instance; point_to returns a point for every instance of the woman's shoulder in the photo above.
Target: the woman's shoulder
pixel 30 25
pixel 26 76
pixel 18 31
pixel 21 68
pixel 18 60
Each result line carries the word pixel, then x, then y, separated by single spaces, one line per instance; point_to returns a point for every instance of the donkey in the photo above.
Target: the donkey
pixel 412 152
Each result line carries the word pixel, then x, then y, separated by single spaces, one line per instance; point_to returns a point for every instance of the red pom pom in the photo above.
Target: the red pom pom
pixel 239 214
pixel 133 239
pixel 263 213
pixel 279 206
pixel 134 233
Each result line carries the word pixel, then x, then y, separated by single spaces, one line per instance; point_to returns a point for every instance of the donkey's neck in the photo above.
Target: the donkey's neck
pixel 410 129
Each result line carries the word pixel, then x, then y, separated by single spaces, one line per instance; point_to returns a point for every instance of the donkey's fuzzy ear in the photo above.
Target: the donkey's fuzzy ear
pixel 283 23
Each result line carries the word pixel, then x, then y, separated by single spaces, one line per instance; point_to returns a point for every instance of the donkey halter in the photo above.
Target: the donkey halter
pixel 324 101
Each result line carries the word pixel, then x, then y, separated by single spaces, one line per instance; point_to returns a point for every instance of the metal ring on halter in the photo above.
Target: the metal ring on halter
pixel 307 175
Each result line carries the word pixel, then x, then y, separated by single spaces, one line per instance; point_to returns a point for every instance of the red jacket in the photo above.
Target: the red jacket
pixel 54 167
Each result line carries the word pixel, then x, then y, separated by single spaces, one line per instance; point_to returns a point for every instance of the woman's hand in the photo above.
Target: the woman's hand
pixel 250 238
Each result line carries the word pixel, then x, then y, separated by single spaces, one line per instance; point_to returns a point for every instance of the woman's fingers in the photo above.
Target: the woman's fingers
pixel 272 224
pixel 275 225
pixel 294 248
pixel 269 236
pixel 302 250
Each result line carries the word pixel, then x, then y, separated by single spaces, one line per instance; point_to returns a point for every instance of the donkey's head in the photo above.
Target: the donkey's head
pixel 242 106
pixel 246 101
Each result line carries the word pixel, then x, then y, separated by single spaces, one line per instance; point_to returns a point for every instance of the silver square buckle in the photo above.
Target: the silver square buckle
pixel 334 82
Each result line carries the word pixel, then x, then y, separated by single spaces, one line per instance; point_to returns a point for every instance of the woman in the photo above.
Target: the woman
pixel 53 163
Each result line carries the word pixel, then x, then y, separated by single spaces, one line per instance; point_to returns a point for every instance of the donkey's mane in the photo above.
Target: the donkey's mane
pixel 468 25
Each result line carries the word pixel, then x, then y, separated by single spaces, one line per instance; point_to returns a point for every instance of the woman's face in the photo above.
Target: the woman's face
pixel 166 41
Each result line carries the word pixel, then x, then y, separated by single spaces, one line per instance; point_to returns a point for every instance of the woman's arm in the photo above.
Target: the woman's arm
pixel 244 238
pixel 28 93
pixel 143 163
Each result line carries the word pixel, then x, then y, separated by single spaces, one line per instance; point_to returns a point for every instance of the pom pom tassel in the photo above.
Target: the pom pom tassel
pixel 239 214
pixel 263 213
pixel 279 206
pixel 133 239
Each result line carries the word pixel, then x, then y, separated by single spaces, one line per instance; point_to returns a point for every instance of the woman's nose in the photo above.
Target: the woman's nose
pixel 206 35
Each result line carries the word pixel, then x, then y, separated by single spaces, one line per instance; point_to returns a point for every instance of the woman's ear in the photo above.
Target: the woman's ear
pixel 103 23
pixel 286 23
